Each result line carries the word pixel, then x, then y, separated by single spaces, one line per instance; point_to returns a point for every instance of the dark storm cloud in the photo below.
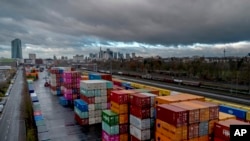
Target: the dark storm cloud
pixel 91 23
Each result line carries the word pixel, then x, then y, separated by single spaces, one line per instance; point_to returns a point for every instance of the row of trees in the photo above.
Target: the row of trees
pixel 231 70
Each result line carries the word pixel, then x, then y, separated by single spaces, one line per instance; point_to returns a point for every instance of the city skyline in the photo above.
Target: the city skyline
pixel 149 28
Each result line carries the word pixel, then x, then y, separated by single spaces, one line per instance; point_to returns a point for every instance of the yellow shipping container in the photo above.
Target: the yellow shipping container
pixel 163 92
pixel 225 116
pixel 233 105
pixel 248 116
pixel 171 131
pixel 119 109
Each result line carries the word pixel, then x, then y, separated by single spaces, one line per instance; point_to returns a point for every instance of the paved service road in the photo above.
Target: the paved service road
pixel 10 118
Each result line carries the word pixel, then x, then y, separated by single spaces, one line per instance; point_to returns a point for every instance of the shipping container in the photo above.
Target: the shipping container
pixel 119 97
pixel 123 118
pixel 123 128
pixel 171 114
pixel 239 113
pixel 139 123
pixel 192 131
pixel 193 112
pixel 107 137
pixel 203 128
pixel 222 128
pixel 110 129
pixel 225 116
pixel 119 108
pixel 140 100
pixel 211 126
pixel 213 108
pixel 109 117
pixel 161 137
pixel 140 134
pixel 170 131
pixel 81 105
pixel 152 98
pixel 204 110
pixel 139 112
pixel 124 137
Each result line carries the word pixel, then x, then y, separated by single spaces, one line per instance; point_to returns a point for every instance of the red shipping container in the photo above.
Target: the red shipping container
pixel 140 100
pixel 106 77
pixel 193 131
pixel 173 115
pixel 119 97
pixel 89 100
pixel 139 112
pixel 222 128
pixel 123 128
pixel 193 112
pixel 132 138
pixel 217 139
pixel 81 121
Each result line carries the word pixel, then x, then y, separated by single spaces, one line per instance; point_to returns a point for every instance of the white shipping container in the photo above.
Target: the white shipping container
pixel 140 134
pixel 91 114
pixel 139 123
pixel 97 99
pixel 91 107
pixel 104 106
pixel 98 119
pixel 104 99
pixel 98 113
pixel 91 121
pixel 103 92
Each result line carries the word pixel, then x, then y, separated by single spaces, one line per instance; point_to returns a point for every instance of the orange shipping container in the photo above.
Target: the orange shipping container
pixel 225 116
pixel 170 131
pixel 211 125
pixel 119 109
pixel 203 138
pixel 165 100
pixel 204 110
pixel 160 137
pixel 123 118
pixel 124 137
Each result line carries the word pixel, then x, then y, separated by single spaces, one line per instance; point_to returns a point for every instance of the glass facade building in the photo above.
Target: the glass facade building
pixel 16 49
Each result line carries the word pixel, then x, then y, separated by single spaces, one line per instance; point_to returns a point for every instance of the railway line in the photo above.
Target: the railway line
pixel 215 95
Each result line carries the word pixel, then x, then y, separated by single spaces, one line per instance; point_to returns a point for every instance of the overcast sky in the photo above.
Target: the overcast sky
pixel 147 27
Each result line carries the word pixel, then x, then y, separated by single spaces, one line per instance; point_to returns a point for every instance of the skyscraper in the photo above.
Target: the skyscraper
pixel 16 49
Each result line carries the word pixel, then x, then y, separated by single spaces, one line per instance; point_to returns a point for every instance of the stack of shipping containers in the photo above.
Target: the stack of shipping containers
pixel 110 126
pixel 140 122
pixel 119 105
pixel 56 79
pixel 71 85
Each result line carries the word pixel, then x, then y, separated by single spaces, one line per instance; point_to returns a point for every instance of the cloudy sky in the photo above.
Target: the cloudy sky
pixel 147 27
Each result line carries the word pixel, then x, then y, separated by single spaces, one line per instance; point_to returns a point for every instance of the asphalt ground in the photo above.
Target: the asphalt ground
pixel 59 123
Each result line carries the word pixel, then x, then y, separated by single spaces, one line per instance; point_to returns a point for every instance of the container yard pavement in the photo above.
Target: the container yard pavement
pixel 59 121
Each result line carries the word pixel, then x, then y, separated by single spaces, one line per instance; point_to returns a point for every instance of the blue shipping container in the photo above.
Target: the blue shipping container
pixel 81 105
pixel 38 117
pixel 239 113
pixel 63 101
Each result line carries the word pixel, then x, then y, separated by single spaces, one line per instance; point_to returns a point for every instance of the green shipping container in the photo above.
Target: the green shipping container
pixel 109 117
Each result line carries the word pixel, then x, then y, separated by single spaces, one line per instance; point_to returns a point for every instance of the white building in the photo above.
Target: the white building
pixel 78 58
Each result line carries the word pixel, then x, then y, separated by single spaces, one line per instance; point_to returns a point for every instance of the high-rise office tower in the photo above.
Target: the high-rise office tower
pixel 16 49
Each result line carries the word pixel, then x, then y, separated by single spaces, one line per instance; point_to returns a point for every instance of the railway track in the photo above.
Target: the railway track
pixel 245 100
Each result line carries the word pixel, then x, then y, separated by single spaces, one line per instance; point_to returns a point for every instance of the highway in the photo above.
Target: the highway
pixel 192 91
pixel 10 118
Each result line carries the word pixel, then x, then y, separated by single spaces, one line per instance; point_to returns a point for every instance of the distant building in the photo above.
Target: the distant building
pixel 133 55
pixel 32 56
pixel 64 58
pixel 127 56
pixel 120 55
pixel 108 54
pixel 16 49
pixel 115 55
pixel 78 58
